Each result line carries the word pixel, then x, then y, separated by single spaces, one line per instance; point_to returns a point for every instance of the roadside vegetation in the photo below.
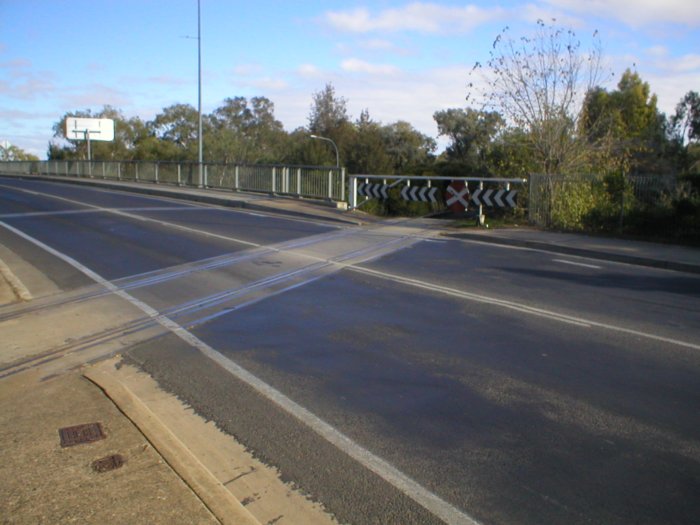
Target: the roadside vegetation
pixel 598 159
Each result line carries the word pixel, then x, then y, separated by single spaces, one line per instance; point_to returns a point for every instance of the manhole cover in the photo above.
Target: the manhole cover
pixel 80 434
pixel 108 463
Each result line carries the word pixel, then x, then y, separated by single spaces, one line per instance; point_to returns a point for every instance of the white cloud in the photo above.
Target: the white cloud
pixel 685 64
pixel 355 65
pixel 247 69
pixel 637 13
pixel 406 95
pixel 670 88
pixel 308 71
pixel 658 51
pixel 23 82
pixel 377 44
pixel 94 96
pixel 265 83
pixel 533 13
pixel 168 81
pixel 416 16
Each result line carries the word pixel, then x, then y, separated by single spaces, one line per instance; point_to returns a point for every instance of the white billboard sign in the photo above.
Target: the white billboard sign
pixel 89 128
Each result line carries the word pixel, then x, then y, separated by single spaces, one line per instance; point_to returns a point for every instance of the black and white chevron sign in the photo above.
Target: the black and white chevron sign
pixel 500 198
pixel 419 194
pixel 373 191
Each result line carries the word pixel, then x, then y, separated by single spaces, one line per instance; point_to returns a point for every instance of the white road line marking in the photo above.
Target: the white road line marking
pixel 579 321
pixel 190 205
pixel 146 219
pixel 430 501
pixel 573 263
pixel 78 212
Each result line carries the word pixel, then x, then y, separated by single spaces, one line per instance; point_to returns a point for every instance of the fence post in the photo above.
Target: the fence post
pixel 621 225
pixel 353 192
pixel 342 184
pixel 298 182
pixel 179 175
pixel 330 184
pixel 237 183
pixel 274 176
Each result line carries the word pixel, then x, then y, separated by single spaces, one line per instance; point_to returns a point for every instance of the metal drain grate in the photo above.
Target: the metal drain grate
pixel 80 434
pixel 108 463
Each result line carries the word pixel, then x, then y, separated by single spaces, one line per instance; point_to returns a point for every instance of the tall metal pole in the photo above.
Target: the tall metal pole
pixel 199 90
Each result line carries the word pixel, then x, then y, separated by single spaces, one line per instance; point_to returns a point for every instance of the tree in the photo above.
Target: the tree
pixel 328 112
pixel 179 125
pixel 537 83
pixel 629 122
pixel 686 121
pixel 367 154
pixel 8 152
pixel 406 146
pixel 471 134
pixel 328 117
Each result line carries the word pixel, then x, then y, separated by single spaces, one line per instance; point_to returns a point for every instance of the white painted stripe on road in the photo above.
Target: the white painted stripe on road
pixel 430 501
pixel 579 321
pixel 78 212
pixel 143 219
pixel 573 263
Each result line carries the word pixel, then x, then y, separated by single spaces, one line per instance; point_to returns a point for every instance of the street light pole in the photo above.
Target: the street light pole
pixel 199 91
pixel 337 156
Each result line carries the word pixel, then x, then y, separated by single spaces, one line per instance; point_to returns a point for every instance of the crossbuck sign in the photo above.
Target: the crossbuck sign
pixel 457 196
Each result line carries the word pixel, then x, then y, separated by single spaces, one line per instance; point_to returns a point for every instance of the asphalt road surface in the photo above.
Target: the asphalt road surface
pixel 393 375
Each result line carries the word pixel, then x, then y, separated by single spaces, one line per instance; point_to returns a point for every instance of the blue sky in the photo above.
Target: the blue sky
pixel 401 60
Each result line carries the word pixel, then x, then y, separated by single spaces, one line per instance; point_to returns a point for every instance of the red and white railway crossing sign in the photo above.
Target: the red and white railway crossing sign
pixel 457 196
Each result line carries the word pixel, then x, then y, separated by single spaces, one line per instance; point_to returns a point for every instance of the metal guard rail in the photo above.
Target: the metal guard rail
pixel 317 182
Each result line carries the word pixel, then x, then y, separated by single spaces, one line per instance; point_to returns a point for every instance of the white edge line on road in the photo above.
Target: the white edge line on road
pixel 586 323
pixel 141 218
pixel 573 263
pixel 183 203
pixel 430 501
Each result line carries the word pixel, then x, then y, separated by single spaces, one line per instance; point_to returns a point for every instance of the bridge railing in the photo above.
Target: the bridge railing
pixel 317 182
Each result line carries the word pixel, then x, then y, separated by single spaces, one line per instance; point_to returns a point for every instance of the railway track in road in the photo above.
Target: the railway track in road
pixel 297 262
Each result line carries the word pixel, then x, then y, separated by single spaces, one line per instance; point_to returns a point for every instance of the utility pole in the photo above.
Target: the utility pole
pixel 199 90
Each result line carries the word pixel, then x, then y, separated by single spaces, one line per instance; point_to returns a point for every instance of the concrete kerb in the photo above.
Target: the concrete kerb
pixel 15 285
pixel 581 252
pixel 215 496
pixel 182 193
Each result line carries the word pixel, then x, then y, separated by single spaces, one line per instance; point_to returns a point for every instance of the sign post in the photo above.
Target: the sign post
pixel 90 129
